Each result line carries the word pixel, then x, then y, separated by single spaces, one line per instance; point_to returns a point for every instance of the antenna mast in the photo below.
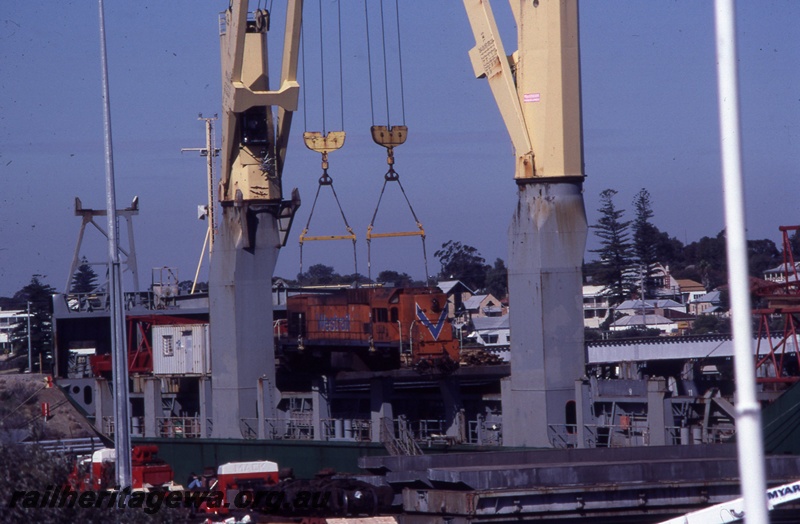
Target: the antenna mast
pixel 210 152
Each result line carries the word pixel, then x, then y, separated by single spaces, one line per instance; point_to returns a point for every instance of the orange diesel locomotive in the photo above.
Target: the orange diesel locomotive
pixel 375 324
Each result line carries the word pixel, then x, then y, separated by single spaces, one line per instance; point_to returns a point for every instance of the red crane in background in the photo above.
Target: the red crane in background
pixel 778 362
pixel 140 352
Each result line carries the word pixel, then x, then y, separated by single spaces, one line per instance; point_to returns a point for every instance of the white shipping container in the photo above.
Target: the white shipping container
pixel 181 350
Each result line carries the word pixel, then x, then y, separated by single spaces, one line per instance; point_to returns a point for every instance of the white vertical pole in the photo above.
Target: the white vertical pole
pixel 30 349
pixel 119 353
pixel 749 441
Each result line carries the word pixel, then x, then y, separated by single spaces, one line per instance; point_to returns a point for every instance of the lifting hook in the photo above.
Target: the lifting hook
pixel 324 144
pixel 389 137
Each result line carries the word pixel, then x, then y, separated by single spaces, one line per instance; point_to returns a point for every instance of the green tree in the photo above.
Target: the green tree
pixel 395 279
pixel 39 296
pixel 318 275
pixel 85 279
pixel 762 255
pixel 794 243
pixel 322 275
pixel 645 237
pixel 706 261
pixel 462 262
pixel 353 278
pixel 615 249
pixel 706 324
pixel 669 250
pixel 497 279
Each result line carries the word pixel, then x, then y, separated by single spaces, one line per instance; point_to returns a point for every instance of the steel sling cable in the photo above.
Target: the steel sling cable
pixel 390 137
pixel 369 64
pixel 324 143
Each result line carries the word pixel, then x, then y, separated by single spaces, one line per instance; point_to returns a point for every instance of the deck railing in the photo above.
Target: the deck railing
pixel 178 427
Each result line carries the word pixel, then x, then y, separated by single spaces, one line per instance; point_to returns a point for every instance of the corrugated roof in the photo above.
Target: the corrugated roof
pixel 635 304
pixel 474 302
pixel 638 304
pixel 592 290
pixel 666 302
pixel 780 269
pixel 687 284
pixel 448 285
pixel 712 296
pixel 489 323
pixel 641 320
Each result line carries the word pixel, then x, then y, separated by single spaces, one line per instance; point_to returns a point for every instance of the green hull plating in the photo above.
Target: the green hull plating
pixel 306 458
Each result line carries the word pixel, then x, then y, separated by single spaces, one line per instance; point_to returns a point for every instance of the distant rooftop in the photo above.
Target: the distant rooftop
pixel 641 320
pixel 448 285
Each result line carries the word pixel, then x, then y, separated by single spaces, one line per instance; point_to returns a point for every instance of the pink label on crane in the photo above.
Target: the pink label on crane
pixel 531 97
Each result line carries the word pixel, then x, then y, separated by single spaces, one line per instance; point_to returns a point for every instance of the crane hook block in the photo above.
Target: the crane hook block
pixel 389 136
pixel 320 143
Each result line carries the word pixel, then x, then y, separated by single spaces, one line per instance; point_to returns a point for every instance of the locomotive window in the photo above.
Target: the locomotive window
pixel 380 314
pixel 296 325
pixel 395 316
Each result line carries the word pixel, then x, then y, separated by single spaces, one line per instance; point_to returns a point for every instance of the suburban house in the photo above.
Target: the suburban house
pixel 690 289
pixel 8 320
pixel 684 321
pixel 661 283
pixel 664 284
pixel 778 274
pixel 666 312
pixel 484 306
pixel 655 306
pixel 491 332
pixel 707 304
pixel 595 306
pixel 665 325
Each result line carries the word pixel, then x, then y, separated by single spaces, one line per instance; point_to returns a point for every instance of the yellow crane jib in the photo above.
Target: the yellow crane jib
pixel 254 137
pixel 539 99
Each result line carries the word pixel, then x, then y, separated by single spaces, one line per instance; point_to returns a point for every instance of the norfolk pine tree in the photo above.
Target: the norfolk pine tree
pixel 615 249
pixel 645 241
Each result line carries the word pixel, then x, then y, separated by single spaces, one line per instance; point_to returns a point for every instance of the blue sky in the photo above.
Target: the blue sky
pixel 649 110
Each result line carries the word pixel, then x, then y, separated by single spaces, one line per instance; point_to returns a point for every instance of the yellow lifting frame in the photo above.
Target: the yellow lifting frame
pixel 325 144
pixel 390 137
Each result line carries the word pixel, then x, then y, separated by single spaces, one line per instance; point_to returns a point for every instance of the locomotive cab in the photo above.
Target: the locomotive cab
pixel 369 328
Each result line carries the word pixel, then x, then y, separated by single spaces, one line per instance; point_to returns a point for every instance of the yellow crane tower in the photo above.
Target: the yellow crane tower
pixel 537 90
pixel 255 219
